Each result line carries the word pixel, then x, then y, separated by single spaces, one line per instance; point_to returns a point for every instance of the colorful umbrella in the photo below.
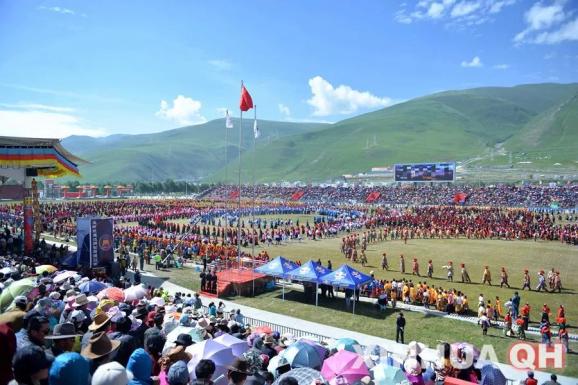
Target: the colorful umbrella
pixel 387 375
pixel 322 351
pixel 221 355
pixel 63 276
pixel 135 292
pixel 113 293
pixel 262 330
pixel 304 376
pixel 48 268
pixel 238 346
pixel 302 355
pixel 20 287
pixel 92 287
pixel 348 344
pixel 345 364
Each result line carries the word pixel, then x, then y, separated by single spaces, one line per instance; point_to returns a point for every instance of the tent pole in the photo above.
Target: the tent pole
pixel 316 293
pixel 354 299
pixel 283 290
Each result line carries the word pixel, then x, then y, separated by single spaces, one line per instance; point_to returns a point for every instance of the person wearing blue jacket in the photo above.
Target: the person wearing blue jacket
pixel 69 369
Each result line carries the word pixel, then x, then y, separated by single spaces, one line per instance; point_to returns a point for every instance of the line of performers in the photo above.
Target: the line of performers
pixel 546 282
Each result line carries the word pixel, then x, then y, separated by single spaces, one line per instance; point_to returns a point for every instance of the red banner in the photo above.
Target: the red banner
pixel 373 196
pixel 297 195
pixel 460 197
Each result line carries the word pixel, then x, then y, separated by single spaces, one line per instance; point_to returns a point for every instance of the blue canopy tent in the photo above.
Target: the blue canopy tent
pixel 278 267
pixel 309 272
pixel 347 277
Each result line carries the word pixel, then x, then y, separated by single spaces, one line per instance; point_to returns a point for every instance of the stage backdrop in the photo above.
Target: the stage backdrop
pixel 95 241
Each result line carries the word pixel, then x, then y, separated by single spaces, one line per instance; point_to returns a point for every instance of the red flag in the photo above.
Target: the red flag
pixel 246 102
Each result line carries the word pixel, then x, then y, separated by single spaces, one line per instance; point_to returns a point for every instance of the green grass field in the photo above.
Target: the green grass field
pixel 514 255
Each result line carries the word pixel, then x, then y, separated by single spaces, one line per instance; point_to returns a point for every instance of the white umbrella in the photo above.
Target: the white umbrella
pixel 221 355
pixel 61 277
pixel 157 301
pixel 135 292
pixel 237 345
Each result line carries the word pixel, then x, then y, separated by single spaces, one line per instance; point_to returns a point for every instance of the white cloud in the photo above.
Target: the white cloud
pixel 185 111
pixel 61 10
pixel 465 8
pixel 283 109
pixel 567 32
pixel 343 100
pixel 40 121
pixel 501 66
pixel 476 62
pixel 454 12
pixel 547 24
pixel 221 64
pixel 435 10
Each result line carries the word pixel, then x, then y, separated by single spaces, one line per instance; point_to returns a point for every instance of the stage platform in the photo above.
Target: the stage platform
pixel 233 282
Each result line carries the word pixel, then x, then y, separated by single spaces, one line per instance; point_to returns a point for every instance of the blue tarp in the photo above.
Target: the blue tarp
pixel 278 267
pixel 347 277
pixel 308 272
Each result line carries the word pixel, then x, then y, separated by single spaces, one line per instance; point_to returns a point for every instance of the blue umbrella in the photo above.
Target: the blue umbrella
pixel 387 375
pixel 302 355
pixel 92 287
pixel 348 344
pixel 491 375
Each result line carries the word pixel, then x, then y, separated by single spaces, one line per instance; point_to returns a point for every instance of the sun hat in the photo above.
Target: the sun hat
pixel 111 373
pixel 62 331
pixel 239 365
pixel 99 345
pixel 99 320
pixel 80 300
pixel 178 374
pixel 184 340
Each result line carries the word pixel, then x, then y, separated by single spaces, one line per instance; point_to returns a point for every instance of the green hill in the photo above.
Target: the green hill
pixel 454 125
pixel 491 126
pixel 190 153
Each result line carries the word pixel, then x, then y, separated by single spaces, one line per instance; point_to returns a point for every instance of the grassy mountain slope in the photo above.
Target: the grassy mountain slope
pixel 183 153
pixel 537 123
pixel 455 125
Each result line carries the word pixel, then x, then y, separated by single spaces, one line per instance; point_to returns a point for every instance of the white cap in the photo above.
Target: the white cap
pixel 111 373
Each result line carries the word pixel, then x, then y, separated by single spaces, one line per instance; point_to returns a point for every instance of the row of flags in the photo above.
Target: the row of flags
pixel 245 104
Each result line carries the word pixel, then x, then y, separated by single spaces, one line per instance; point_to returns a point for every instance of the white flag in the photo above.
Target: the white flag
pixel 256 130
pixel 228 121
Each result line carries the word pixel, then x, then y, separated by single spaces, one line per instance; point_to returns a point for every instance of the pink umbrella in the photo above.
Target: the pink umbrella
pixel 346 365
pixel 113 293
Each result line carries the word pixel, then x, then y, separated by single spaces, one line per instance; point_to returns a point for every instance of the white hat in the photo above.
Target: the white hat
pixel 54 295
pixel 111 373
pixel 415 348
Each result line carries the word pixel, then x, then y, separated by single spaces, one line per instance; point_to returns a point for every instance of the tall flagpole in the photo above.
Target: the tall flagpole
pixel 226 181
pixel 239 202
pixel 253 203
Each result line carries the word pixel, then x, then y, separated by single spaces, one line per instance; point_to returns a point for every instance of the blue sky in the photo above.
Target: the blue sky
pixel 109 66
